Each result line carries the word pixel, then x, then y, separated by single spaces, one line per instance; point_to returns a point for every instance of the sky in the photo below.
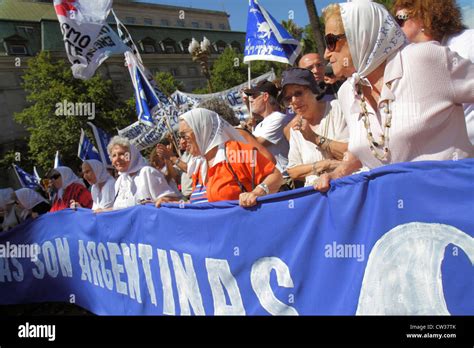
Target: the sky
pixel 280 9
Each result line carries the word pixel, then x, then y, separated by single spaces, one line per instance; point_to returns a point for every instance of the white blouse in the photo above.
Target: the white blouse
pixel 103 198
pixel 148 183
pixel 303 151
pixel 429 85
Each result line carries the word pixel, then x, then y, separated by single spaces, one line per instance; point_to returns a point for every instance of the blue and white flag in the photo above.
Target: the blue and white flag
pixel 57 161
pixel 86 149
pixel 26 180
pixel 146 99
pixel 102 139
pixel 267 39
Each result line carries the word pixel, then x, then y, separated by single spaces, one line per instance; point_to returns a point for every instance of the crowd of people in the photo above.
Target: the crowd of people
pixel 397 88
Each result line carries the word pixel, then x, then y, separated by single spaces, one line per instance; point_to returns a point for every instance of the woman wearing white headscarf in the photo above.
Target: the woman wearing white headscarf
pixel 11 215
pixel 103 184
pixel 229 168
pixel 137 182
pixel 401 102
pixel 32 202
pixel 70 189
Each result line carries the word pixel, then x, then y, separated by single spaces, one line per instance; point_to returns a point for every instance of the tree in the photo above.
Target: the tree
pixel 387 3
pixel 50 86
pixel 293 29
pixel 167 83
pixel 318 36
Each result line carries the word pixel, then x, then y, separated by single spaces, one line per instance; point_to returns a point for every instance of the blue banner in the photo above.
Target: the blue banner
pixel 26 180
pixel 267 39
pixel 86 149
pixel 395 240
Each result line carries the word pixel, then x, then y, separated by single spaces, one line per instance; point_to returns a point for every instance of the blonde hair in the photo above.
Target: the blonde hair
pixel 334 10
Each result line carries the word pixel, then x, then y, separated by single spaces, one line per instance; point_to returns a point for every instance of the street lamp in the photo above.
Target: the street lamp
pixel 200 53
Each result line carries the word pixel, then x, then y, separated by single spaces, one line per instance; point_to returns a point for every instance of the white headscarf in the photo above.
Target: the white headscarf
pixel 99 169
pixel 29 198
pixel 210 131
pixel 137 162
pixel 68 177
pixel 6 197
pixel 372 35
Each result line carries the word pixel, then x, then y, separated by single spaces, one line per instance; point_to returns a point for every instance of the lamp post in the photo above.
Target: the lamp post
pixel 200 53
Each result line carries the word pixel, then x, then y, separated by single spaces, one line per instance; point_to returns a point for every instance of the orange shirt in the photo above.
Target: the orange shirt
pixel 221 184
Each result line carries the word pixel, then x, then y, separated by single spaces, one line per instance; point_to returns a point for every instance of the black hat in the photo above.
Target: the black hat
pixel 299 76
pixel 263 86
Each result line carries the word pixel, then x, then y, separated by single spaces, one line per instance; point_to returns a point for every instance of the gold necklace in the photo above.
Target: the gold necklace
pixel 384 138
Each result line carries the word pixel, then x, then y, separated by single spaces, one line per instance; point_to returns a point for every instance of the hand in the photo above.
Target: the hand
pixel 323 183
pixel 163 151
pixel 303 126
pixel 248 199
pixel 74 205
pixel 165 199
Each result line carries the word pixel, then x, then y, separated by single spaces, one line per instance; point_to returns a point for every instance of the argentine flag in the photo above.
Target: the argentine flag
pixel 86 149
pixel 267 39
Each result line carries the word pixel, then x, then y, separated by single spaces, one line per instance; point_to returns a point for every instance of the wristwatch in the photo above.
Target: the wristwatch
pixel 321 141
pixel 264 187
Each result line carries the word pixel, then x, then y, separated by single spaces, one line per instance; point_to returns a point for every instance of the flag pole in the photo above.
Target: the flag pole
pixel 249 72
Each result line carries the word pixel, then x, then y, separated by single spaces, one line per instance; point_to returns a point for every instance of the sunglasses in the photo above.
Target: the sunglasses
pixel 401 19
pixel 331 41
pixel 287 99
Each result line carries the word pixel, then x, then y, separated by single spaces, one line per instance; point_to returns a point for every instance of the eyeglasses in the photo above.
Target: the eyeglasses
pixel 401 19
pixel 255 96
pixel 55 176
pixel 331 41
pixel 298 94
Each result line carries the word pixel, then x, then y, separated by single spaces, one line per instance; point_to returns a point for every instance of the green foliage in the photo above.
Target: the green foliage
pixel 229 71
pixel 387 3
pixel 49 83
pixel 167 83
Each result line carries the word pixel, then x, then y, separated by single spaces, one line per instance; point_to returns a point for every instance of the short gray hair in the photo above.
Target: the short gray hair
pixel 222 108
pixel 118 140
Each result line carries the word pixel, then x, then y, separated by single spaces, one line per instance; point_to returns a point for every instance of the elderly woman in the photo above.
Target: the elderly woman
pixel 32 203
pixel 401 102
pixel 440 20
pixel 230 169
pixel 69 190
pixel 318 137
pixel 102 184
pixel 137 182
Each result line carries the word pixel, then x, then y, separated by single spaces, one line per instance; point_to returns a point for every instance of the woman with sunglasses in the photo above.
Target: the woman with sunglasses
pixel 229 168
pixel 401 102
pixel 318 132
pixel 438 20
pixel 69 190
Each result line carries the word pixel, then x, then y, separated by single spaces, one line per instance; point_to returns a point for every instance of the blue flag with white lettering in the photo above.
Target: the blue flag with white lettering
pixel 392 241
pixel 267 39
pixel 26 180
pixel 86 149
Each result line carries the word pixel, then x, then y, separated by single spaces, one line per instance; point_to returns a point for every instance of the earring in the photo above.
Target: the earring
pixel 422 30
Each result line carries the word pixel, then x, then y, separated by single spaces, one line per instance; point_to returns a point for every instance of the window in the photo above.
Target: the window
pixel 18 50
pixel 220 46
pixel 148 21
pixel 130 20
pixel 222 26
pixel 208 25
pixel 236 46
pixel 165 22
pixel 147 45
pixel 149 49
pixel 169 46
pixel 24 29
pixel 195 24
pixel 180 23
pixel 185 45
